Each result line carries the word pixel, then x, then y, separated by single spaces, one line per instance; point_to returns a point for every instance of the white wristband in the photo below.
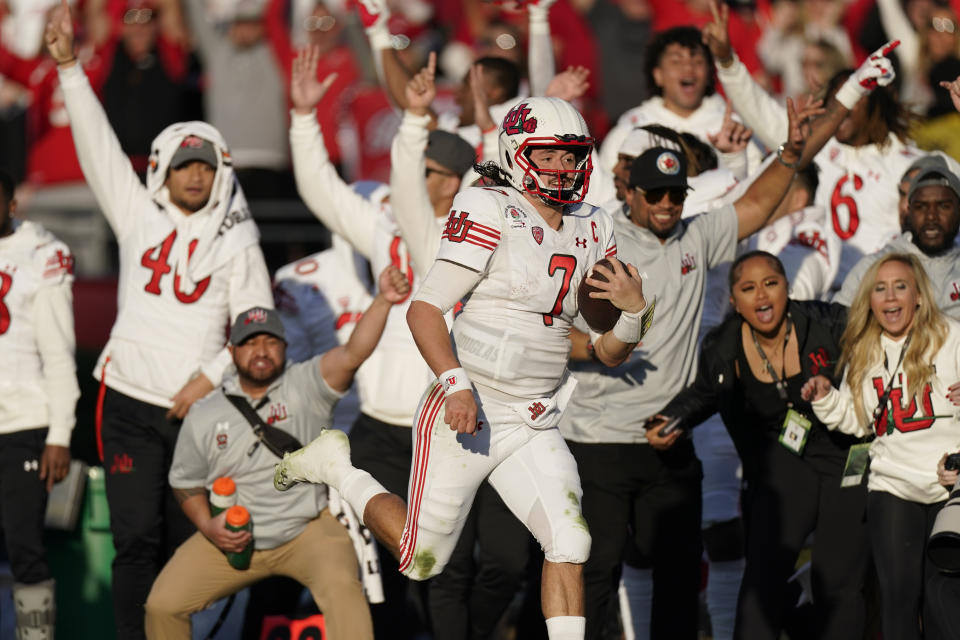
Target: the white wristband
pixel 631 327
pixel 850 92
pixel 454 380
pixel 627 328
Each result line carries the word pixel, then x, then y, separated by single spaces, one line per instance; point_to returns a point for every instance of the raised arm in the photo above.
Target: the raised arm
pixel 409 198
pixel 540 63
pixel 106 168
pixel 339 365
pixel 337 206
pixel 759 110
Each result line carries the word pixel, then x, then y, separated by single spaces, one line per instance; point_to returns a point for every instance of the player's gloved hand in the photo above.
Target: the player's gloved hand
pixel 876 71
pixel 374 14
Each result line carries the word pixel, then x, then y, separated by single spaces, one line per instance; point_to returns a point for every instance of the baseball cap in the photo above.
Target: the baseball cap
pixel 194 148
pixel 450 151
pixel 657 168
pixel 935 176
pixel 256 320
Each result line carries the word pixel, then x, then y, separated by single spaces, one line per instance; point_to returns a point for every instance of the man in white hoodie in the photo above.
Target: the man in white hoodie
pixel 38 396
pixel 189 262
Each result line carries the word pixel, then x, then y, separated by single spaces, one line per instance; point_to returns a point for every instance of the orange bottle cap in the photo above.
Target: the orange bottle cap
pixel 224 486
pixel 237 516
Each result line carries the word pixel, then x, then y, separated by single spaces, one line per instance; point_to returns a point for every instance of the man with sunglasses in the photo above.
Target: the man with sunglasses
pixel 627 484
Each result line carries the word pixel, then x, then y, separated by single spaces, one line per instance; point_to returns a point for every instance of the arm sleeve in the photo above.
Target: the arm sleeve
pixel 758 109
pixel 835 410
pixel 409 199
pixel 331 200
pixel 106 168
pixel 53 322
pixel 697 402
pixel 446 284
pixel 472 233
pixel 719 231
pixel 897 26
pixel 540 62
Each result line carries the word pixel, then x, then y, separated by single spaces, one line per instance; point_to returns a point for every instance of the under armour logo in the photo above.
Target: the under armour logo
pixel 30 465
pixel 581 242
pixel 536 410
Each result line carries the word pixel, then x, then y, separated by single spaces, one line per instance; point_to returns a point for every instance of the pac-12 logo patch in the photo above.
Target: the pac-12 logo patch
pixel 537 234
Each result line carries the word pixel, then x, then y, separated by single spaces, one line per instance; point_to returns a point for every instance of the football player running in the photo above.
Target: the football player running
pixel 516 252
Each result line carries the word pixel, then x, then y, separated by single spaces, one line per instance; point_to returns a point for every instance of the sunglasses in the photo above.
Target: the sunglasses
pixel 653 196
pixel 943 25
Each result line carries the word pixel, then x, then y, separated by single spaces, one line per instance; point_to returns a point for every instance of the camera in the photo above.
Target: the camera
pixel 953 462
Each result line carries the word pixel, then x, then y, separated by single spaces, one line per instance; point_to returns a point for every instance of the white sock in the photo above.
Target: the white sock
pixel 566 627
pixel 723 588
pixel 638 584
pixel 357 487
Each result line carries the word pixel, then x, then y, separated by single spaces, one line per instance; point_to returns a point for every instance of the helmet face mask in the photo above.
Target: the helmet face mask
pixel 546 123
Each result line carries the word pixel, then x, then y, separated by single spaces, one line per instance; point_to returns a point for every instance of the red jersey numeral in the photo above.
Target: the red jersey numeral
pixel 160 265
pixel 567 264
pixel 838 199
pixel 6 281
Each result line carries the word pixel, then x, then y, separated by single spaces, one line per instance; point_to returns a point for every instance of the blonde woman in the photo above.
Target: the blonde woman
pixel 901 354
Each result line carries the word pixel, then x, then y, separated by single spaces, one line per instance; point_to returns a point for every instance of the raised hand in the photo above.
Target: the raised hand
pixel 569 84
pixel 954 89
pixel 481 104
pixel 716 34
pixel 733 136
pixel 623 288
pixel 59 34
pixel 421 90
pixel 394 286
pixel 815 388
pixel 305 90
pixel 876 71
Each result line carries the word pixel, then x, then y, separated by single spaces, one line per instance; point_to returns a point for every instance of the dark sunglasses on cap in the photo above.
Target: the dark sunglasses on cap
pixel 653 196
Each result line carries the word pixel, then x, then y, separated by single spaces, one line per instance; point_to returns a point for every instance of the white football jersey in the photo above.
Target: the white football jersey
pixel 858 188
pixel 513 332
pixel 38 382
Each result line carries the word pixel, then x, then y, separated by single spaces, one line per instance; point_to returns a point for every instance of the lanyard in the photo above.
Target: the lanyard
pixel 886 392
pixel 781 384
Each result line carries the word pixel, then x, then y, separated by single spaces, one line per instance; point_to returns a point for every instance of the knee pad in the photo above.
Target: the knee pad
pixel 36 608
pixel 438 525
pixel 723 541
pixel 441 513
pixel 571 543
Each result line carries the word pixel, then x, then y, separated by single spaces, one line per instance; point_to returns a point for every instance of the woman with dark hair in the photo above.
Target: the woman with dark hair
pixel 900 353
pixel 751 370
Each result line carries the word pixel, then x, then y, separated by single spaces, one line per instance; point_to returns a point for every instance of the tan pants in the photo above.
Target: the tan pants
pixel 321 558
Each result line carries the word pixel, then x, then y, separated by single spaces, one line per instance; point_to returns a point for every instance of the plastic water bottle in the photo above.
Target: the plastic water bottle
pixel 238 519
pixel 223 496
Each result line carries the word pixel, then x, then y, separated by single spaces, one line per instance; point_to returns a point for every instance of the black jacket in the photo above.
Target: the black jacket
pixel 818 325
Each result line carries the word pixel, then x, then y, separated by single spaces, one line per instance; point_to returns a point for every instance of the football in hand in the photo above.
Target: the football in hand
pixel 600 314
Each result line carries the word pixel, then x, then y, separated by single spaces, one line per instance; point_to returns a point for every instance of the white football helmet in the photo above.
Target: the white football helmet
pixel 546 123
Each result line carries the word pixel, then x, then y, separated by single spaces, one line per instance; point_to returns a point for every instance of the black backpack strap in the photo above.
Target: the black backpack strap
pixel 276 440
